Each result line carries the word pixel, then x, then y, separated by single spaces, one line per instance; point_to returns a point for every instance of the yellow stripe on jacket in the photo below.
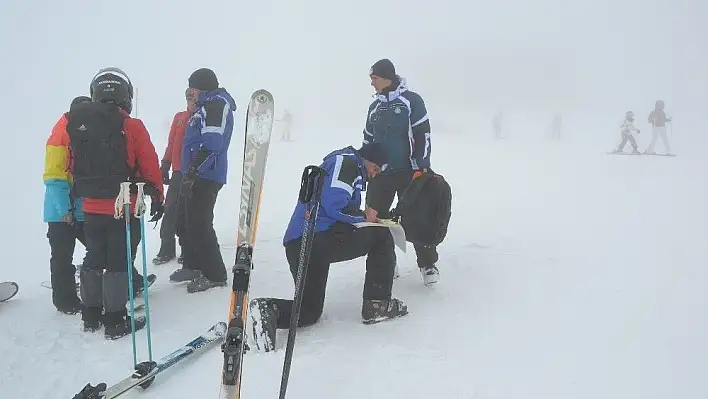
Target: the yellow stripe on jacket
pixel 57 176
pixel 57 160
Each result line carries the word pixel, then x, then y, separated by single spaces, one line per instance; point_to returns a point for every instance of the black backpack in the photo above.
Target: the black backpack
pixel 424 209
pixel 98 149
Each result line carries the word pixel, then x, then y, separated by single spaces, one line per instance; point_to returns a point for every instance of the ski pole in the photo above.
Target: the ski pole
pixel 140 212
pixel 310 195
pixel 125 194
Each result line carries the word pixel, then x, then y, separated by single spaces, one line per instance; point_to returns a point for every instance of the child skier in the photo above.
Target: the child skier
pixel 628 132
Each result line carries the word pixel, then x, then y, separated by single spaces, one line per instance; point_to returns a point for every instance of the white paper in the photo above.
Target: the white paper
pixel 399 235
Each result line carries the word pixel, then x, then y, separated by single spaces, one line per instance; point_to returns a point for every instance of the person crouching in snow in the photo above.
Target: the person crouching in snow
pixel 628 132
pixel 108 148
pixel 336 240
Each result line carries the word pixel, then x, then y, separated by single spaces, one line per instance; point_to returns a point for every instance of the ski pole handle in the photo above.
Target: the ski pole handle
pixel 122 199
pixel 312 176
pixel 140 201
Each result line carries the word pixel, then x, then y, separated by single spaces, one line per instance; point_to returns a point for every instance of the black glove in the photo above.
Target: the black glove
pixel 188 182
pixel 157 209
pixel 165 169
pixel 91 392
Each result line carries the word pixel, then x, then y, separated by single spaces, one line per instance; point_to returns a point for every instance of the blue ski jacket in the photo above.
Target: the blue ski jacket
pixel 341 194
pixel 210 128
pixel 399 121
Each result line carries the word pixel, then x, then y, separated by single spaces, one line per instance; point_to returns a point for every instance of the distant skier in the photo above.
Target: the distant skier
pixel 628 133
pixel 287 122
pixel 497 125
pixel 658 120
pixel 63 213
pixel 98 170
pixel 204 159
pixel 399 121
pixel 336 240
pixel 173 159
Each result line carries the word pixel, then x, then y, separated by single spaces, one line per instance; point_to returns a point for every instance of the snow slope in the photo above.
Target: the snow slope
pixel 567 273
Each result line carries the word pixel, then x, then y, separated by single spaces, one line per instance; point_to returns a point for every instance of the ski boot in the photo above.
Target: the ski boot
pixel 430 275
pixel 264 314
pixel 118 324
pixel 202 283
pixel 378 310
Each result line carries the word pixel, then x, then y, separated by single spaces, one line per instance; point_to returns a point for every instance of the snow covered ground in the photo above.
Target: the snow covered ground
pixel 567 273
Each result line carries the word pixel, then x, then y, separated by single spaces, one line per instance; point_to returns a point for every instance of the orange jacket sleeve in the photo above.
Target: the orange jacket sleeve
pixel 145 155
pixel 171 140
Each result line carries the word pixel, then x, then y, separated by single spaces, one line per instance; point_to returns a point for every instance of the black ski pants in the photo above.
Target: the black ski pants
pixel 62 242
pixel 380 194
pixel 106 249
pixel 195 228
pixel 342 242
pixel 168 226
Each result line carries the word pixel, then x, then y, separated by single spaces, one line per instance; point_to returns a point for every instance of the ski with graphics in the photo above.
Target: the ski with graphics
pixel 145 372
pixel 259 125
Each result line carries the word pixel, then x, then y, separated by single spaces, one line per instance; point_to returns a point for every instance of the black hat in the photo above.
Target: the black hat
pixel 384 69
pixel 373 152
pixel 79 100
pixel 203 79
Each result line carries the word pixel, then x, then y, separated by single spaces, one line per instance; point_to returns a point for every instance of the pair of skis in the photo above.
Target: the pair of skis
pixel 259 123
pixel 257 136
pixel 668 154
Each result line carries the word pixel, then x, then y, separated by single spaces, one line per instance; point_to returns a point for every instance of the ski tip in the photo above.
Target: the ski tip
pixel 262 96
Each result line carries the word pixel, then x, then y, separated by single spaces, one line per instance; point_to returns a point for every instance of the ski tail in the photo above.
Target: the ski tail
pixel 259 123
pixel 311 195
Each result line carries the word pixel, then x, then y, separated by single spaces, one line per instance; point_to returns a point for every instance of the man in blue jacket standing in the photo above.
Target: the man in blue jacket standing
pixel 399 121
pixel 336 239
pixel 204 162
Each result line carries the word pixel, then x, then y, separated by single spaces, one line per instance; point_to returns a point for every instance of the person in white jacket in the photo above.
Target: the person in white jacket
pixel 628 133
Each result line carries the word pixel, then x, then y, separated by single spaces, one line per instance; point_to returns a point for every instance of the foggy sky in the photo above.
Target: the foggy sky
pixel 315 55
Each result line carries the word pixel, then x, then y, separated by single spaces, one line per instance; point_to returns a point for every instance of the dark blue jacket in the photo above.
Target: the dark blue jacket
pixel 341 194
pixel 209 130
pixel 399 121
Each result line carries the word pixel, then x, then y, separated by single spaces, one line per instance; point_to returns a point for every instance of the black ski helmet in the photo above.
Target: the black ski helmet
pixel 112 85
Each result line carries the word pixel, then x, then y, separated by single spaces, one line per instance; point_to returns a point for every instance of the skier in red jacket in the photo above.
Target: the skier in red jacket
pixel 108 147
pixel 173 159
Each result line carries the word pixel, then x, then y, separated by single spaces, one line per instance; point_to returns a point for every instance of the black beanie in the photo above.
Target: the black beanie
pixel 384 69
pixel 79 100
pixel 373 152
pixel 203 79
